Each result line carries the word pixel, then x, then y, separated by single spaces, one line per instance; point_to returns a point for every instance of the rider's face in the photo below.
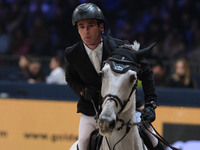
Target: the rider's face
pixel 90 32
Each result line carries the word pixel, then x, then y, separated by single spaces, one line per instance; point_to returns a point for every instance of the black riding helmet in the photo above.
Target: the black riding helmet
pixel 87 11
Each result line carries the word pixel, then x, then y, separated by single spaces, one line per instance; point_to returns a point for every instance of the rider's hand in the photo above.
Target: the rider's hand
pixel 148 114
pixel 89 92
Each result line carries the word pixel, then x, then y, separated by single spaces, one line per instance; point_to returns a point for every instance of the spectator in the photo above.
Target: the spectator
pixel 22 73
pixel 159 73
pixel 35 71
pixel 24 62
pixel 181 78
pixel 57 74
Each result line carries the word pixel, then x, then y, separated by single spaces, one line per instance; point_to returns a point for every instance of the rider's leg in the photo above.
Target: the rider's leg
pixel 155 143
pixel 86 126
pixel 152 138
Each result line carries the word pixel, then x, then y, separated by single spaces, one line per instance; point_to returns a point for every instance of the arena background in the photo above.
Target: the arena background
pixel 43 117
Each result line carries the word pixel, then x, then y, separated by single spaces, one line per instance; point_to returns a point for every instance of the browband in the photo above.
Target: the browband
pixel 121 66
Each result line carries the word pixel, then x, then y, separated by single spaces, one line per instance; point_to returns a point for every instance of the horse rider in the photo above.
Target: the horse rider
pixel 83 63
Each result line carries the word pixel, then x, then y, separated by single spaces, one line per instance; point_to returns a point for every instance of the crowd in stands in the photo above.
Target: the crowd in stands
pixel 30 70
pixel 179 78
pixel 43 27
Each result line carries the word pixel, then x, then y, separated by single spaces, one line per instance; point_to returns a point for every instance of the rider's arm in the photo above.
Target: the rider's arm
pixel 72 77
pixel 146 76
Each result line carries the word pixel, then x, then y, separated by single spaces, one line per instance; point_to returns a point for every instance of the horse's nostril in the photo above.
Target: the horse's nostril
pixel 112 124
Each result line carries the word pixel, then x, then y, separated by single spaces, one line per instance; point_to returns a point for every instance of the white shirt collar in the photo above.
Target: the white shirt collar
pixel 98 48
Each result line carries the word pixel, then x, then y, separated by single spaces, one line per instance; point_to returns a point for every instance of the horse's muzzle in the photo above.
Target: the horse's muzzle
pixel 106 125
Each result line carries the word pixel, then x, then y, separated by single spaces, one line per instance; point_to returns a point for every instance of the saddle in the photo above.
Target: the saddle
pixel 95 140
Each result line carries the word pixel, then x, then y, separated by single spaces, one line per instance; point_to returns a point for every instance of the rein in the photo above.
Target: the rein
pixel 157 135
pixel 129 124
pixel 160 138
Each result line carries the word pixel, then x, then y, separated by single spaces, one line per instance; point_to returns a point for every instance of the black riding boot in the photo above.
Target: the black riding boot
pixel 159 146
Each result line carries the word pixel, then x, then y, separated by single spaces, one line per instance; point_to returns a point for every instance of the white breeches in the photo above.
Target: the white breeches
pixel 86 126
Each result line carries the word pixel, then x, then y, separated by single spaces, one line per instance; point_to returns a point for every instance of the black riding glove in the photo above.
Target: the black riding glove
pixel 148 114
pixel 89 92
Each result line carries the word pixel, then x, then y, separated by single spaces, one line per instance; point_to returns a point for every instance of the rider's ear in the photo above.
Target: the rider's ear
pixel 101 27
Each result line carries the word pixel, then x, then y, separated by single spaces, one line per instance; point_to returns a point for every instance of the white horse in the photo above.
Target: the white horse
pixel 119 87
pixel 117 120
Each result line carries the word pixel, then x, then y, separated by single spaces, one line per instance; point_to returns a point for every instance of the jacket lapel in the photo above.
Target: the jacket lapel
pixel 85 61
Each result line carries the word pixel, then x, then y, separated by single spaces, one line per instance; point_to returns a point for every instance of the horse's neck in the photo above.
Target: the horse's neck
pixel 132 140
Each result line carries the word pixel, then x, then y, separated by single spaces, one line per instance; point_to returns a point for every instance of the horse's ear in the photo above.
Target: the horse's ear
pixel 145 51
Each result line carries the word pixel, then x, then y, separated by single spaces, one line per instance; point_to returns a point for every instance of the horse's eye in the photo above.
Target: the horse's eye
pixel 132 78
